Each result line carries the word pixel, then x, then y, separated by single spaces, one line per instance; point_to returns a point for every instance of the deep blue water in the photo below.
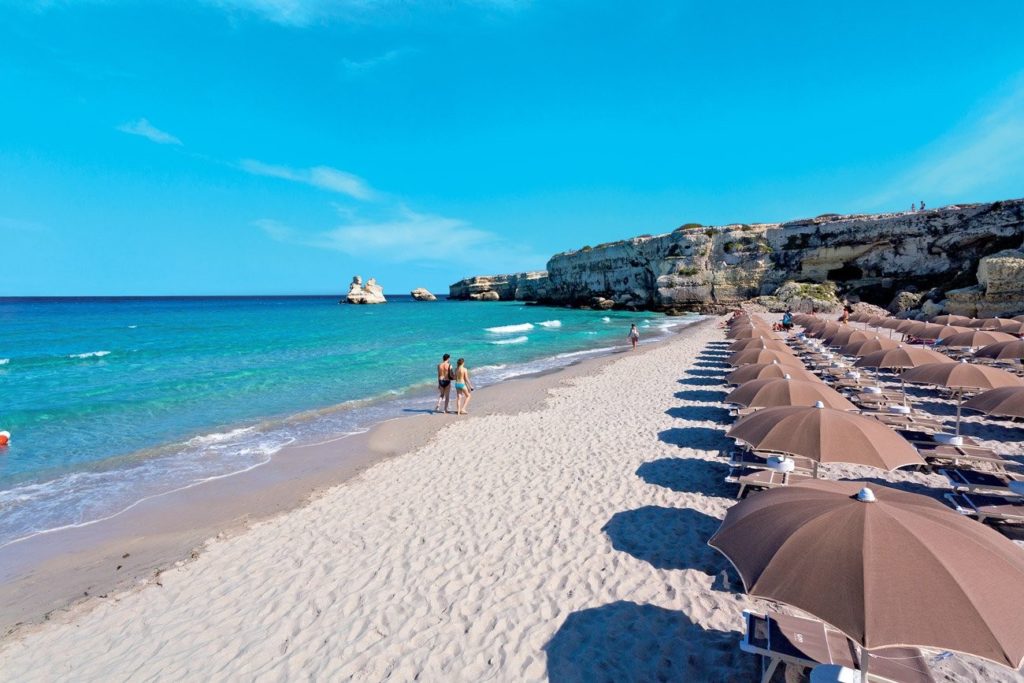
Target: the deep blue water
pixel 110 401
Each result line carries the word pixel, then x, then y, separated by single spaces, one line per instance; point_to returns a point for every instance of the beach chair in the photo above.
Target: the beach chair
pixel 988 508
pixel 934 452
pixel 750 479
pixel 781 638
pixel 741 458
pixel 975 481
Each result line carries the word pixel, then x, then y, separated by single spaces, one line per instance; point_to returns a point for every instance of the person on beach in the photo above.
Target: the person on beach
pixel 444 383
pixel 633 336
pixel 463 387
pixel 787 320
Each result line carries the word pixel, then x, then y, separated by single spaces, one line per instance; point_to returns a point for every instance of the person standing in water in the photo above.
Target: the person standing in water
pixel 634 335
pixel 444 383
pixel 463 387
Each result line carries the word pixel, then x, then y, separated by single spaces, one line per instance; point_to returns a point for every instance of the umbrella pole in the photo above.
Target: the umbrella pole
pixel 959 400
pixel 864 665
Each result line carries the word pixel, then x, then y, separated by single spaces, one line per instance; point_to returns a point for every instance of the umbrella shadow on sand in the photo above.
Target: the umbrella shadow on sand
pixel 625 641
pixel 706 438
pixel 710 364
pixel 710 413
pixel 704 395
pixel 701 381
pixel 706 373
pixel 993 430
pixel 687 475
pixel 668 538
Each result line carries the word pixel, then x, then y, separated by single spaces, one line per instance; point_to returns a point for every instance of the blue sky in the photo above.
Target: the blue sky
pixel 281 146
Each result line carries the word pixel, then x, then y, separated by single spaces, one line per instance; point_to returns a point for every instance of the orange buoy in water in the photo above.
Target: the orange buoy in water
pixel 5 438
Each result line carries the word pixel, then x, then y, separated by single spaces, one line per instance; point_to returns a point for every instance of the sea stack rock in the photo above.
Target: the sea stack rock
pixel 422 294
pixel 370 293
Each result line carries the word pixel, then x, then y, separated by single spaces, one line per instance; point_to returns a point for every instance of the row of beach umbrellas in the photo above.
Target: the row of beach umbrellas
pixel 886 567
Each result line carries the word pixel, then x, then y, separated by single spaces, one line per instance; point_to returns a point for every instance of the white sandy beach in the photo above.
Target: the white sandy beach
pixel 565 543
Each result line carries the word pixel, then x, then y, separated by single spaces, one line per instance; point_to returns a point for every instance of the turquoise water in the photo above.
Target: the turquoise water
pixel 113 401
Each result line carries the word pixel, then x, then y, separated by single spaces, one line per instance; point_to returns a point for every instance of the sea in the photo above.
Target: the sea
pixel 112 401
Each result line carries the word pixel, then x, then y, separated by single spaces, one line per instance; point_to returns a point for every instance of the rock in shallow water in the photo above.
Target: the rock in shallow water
pixel 422 294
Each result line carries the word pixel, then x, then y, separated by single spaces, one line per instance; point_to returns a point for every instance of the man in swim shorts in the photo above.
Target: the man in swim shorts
pixel 444 382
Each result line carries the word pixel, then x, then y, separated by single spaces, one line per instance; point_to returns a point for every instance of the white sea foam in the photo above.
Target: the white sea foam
pixel 510 329
pixel 606 319
pixel 587 352
pixel 132 327
pixel 4 361
pixel 218 437
pixel 551 323
pixel 90 354
pixel 513 340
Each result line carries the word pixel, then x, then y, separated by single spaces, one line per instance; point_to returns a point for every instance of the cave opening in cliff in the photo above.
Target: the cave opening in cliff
pixel 847 272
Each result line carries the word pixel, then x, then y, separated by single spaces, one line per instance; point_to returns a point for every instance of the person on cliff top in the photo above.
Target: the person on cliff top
pixel 463 387
pixel 444 383
pixel 922 205
pixel 913 207
pixel 633 336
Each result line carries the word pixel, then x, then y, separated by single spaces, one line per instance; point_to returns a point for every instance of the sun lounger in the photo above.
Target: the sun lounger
pixel 756 479
pixel 741 458
pixel 988 508
pixel 915 421
pixel 974 481
pixel 781 638
pixel 963 454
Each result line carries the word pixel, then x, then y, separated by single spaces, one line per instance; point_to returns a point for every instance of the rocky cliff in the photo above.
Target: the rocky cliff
pixel 515 287
pixel 869 257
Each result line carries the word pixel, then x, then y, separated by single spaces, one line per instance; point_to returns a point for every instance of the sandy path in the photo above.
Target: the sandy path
pixel 565 544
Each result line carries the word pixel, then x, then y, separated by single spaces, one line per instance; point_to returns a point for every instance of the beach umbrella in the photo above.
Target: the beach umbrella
pixel 1018 318
pixel 975 323
pixel 903 325
pixel 961 376
pixel 889 323
pixel 884 566
pixel 1004 350
pixel 764 356
pixel 1002 325
pixel 1004 402
pixel 903 356
pixel 758 343
pixel 947 319
pixel 803 319
pixel 866 346
pixel 845 336
pixel 823 328
pixel 933 331
pixel 859 317
pixel 974 338
pixel 825 435
pixel 774 369
pixel 772 392
pixel 748 333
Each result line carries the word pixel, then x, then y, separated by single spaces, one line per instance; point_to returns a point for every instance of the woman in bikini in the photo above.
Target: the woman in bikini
pixel 463 387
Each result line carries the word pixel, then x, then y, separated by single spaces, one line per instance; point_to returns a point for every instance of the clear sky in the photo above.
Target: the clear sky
pixel 282 146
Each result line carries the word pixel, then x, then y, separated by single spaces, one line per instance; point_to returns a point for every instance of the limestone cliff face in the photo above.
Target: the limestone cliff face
pixel 516 287
pixel 1000 288
pixel 871 257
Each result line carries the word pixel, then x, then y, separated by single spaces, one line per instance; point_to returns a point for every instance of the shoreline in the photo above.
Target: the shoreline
pixel 60 571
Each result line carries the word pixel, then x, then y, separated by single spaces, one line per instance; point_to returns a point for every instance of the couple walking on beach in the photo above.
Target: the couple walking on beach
pixel 447 376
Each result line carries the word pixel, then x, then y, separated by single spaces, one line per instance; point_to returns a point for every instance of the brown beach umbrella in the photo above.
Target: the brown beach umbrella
pixel 974 338
pixel 845 336
pixel 745 373
pixel 961 376
pixel 772 392
pixel 975 323
pixel 823 328
pixel 803 319
pixel 1018 318
pixel 825 435
pixel 903 356
pixel 885 567
pixel 764 356
pixel 1004 350
pixel 1004 402
pixel 758 343
pixel 933 331
pixel 1002 325
pixel 903 325
pixel 866 346
pixel 747 333
pixel 860 317
pixel 947 319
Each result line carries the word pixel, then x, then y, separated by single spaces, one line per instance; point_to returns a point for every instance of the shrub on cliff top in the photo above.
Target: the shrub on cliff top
pixel 686 271
pixel 689 226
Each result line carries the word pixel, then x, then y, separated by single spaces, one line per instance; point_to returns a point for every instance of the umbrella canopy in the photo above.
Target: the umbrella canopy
pixel 825 435
pixel 764 356
pixel 889 323
pixel 885 567
pixel 951 319
pixel 748 332
pixel 745 373
pixel 960 376
pixel 758 343
pixel 1005 350
pixel 1019 318
pixel 933 331
pixel 972 338
pixel 860 317
pixel 1004 401
pixel 863 348
pixel 1003 325
pixel 845 336
pixel 772 392
pixel 901 357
